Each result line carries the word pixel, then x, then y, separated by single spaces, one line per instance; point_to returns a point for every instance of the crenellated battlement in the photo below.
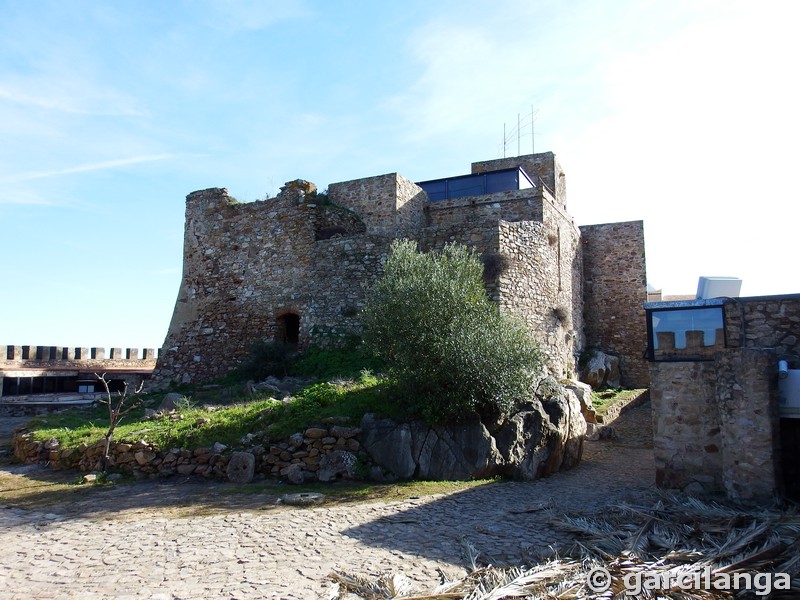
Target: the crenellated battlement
pixel 40 356
pixel 59 375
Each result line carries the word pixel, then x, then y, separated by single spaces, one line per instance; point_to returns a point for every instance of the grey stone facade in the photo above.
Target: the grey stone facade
pixel 249 269
pixel 717 427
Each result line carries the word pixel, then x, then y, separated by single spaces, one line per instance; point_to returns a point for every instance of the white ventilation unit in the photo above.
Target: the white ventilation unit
pixel 718 287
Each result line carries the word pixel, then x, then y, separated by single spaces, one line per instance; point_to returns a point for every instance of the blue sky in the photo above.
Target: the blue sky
pixel 683 113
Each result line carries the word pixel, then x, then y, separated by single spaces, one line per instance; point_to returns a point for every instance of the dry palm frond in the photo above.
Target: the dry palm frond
pixel 470 552
pixel 678 537
pixel 386 587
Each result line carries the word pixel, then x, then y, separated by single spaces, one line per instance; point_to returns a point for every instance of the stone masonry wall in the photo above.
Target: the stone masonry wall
pixel 749 421
pixel 615 290
pixel 686 422
pixel 716 422
pixel 538 288
pixel 130 364
pixel 61 356
pixel 388 204
pixel 769 322
pixel 514 205
pixel 542 167
pixel 249 266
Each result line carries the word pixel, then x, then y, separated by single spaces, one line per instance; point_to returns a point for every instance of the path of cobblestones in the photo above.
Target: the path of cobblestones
pixel 287 553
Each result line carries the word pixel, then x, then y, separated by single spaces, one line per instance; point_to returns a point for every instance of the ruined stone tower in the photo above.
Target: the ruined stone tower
pixel 297 267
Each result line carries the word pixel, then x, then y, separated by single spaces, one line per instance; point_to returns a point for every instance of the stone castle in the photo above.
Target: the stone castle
pixel 297 267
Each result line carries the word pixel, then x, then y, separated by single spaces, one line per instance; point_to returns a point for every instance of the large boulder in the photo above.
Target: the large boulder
pixel 601 370
pixel 337 464
pixel 583 392
pixel 455 452
pixel 545 436
pixel 389 444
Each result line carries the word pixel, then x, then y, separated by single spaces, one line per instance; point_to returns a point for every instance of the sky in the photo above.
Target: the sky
pixel 681 113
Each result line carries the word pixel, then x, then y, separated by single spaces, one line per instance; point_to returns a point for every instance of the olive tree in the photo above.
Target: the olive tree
pixel 452 351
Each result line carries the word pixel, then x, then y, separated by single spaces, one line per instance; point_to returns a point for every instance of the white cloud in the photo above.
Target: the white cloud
pixel 82 99
pixel 251 15
pixel 87 167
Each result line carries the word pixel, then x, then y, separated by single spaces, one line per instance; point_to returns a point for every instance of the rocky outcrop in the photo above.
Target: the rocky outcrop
pixel 544 437
pixel 601 370
pixel 583 392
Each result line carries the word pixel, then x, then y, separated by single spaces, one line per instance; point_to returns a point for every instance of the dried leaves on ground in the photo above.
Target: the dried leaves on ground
pixel 678 548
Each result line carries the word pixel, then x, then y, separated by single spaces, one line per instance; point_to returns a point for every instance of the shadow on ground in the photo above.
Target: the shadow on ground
pixel 505 522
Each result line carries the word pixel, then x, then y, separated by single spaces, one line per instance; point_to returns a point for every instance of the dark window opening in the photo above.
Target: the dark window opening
pixel 23 386
pixel 326 233
pixel 685 334
pixel 288 329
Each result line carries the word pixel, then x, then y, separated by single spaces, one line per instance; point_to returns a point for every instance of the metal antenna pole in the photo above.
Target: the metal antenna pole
pixel 518 132
pixel 533 147
pixel 504 140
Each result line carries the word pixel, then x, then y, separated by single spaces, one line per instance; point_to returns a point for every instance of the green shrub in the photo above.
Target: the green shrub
pixel 452 351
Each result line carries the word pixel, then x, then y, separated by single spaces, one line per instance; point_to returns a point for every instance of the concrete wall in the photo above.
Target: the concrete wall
pixel 615 290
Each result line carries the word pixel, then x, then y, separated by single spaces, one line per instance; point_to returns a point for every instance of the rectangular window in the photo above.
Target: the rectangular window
pixel 685 334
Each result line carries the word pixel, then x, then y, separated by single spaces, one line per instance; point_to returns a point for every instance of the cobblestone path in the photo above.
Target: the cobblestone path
pixel 287 552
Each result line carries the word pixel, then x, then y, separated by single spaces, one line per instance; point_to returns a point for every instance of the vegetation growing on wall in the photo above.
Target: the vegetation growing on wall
pixel 452 351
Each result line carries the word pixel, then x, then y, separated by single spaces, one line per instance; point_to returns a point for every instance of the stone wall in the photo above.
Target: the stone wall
pixel 246 266
pixel 250 268
pixel 538 286
pixel 62 356
pixel 615 290
pixel 313 455
pixel 687 432
pixel 543 437
pixel 717 429
pixel 514 205
pixel 388 204
pixel 769 322
pixel 130 365
pixel 543 168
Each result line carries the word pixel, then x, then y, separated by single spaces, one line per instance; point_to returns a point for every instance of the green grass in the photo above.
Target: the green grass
pixel 602 399
pixel 351 399
pixel 227 424
pixel 347 362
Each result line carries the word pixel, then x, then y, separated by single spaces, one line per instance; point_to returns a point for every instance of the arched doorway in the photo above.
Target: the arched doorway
pixel 288 330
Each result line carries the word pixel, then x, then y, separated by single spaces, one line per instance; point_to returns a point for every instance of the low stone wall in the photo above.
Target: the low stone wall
pixel 543 437
pixel 303 457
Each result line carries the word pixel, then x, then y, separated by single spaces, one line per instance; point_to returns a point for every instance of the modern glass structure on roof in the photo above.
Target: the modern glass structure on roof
pixel 477 184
